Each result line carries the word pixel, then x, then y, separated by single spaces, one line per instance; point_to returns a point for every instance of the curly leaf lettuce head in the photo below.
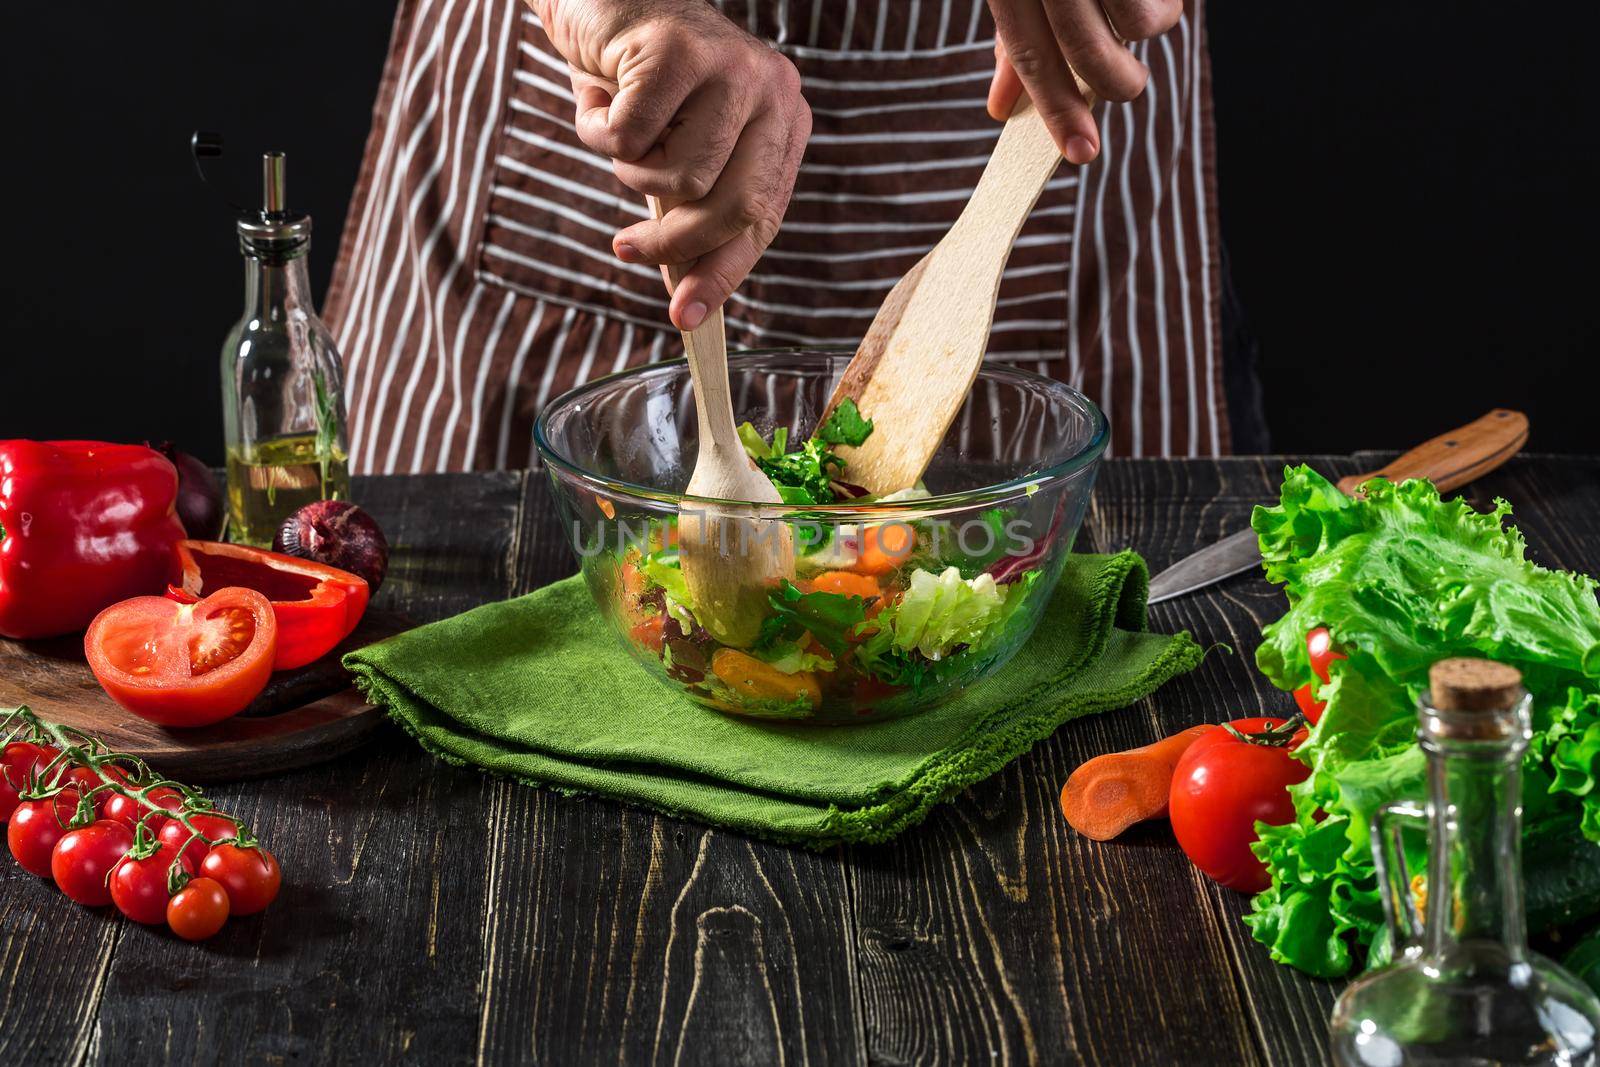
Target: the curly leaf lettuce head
pixel 1403 579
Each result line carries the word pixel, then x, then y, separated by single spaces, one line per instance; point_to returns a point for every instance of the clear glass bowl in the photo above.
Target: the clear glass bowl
pixel 895 605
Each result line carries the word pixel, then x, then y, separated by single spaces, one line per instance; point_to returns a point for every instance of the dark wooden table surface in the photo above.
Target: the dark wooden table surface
pixel 433 914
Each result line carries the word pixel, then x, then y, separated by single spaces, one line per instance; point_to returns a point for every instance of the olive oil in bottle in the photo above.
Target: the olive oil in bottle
pixel 283 382
pixel 276 479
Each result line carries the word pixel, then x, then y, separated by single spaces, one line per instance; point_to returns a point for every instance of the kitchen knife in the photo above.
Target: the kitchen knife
pixel 1449 461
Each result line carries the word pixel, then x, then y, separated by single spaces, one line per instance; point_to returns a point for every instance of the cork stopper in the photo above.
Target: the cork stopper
pixel 1474 685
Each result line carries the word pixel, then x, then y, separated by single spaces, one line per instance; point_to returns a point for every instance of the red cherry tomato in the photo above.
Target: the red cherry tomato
pixel 139 887
pixel 128 810
pixel 1319 648
pixel 19 761
pixel 198 910
pixel 176 835
pixel 1223 786
pixel 118 808
pixel 184 664
pixel 1309 705
pixel 250 875
pixel 35 828
pixel 83 859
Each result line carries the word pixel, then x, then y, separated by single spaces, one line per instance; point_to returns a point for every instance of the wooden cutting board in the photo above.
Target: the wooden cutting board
pixel 304 716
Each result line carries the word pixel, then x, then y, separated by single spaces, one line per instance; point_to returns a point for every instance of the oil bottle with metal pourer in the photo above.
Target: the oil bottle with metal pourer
pixel 282 378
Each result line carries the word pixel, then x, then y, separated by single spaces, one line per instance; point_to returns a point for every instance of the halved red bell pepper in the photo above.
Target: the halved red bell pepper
pixel 316 606
pixel 83 524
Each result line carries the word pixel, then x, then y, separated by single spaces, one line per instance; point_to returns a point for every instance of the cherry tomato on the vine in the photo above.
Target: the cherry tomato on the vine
pixel 83 859
pixel 1320 650
pixel 118 808
pixel 198 910
pixel 81 778
pixel 19 760
pixel 139 887
pixel 1228 780
pixel 35 828
pixel 250 876
pixel 177 835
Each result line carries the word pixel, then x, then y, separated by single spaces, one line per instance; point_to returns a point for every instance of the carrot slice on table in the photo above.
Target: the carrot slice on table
pixel 1110 793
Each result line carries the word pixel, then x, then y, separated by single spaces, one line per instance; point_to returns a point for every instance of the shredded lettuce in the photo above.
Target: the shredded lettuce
pixel 939 612
pixel 662 569
pixel 942 625
pixel 1401 579
pixel 790 658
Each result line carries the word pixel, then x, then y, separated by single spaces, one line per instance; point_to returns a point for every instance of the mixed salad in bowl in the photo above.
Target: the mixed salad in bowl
pixel 895 602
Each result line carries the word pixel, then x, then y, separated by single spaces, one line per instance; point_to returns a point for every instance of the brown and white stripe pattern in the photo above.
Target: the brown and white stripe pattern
pixel 475 279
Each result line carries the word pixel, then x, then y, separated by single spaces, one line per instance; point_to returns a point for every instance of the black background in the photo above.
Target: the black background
pixel 1408 199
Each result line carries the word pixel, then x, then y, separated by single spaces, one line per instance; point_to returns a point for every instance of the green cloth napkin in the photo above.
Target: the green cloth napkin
pixel 539 689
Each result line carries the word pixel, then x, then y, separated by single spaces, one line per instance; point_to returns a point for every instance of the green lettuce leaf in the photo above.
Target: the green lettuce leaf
pixel 829 617
pixel 1402 579
pixel 845 426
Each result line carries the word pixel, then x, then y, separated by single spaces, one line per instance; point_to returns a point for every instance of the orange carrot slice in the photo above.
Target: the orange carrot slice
pixel 745 674
pixel 1110 793
pixel 884 548
pixel 846 583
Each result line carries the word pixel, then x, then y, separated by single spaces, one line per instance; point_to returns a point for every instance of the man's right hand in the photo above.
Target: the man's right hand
pixel 692 109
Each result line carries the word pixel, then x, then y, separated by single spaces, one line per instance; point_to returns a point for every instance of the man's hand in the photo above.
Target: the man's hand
pixel 1041 42
pixel 693 110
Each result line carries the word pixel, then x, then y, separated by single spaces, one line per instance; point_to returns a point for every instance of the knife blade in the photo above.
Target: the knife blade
pixel 1450 460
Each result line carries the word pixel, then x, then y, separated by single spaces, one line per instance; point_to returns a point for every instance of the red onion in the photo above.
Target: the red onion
pixel 339 534
pixel 200 507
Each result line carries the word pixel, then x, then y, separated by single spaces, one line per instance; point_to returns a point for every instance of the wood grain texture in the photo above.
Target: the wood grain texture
pixel 1455 458
pixel 922 371
pixel 435 915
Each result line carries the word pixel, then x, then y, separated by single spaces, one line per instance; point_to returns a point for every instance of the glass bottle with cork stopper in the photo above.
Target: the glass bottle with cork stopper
pixel 1464 988
pixel 282 379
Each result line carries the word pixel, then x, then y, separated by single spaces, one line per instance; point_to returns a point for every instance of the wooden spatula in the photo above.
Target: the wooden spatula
pixel 728 558
pixel 923 350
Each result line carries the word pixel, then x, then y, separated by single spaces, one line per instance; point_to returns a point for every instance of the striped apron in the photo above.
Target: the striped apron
pixel 475 279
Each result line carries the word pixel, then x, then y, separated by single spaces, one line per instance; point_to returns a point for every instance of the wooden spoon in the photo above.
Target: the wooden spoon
pixel 729 558
pixel 923 350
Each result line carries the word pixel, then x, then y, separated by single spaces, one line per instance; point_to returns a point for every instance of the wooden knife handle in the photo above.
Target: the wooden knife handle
pixel 1455 458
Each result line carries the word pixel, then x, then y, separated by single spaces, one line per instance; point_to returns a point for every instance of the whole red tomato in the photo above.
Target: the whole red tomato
pixel 250 876
pixel 1320 650
pixel 198 910
pixel 1229 779
pixel 83 859
pixel 35 828
pixel 177 835
pixel 128 810
pixel 139 886
pixel 19 761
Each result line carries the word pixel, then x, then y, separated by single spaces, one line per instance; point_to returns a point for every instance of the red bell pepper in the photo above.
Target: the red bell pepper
pixel 316 605
pixel 83 524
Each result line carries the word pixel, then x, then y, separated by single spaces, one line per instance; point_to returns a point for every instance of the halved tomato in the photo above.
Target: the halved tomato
pixel 316 605
pixel 184 664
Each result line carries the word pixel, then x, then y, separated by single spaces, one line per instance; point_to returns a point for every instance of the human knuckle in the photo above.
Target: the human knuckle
pixel 1110 68
pixel 691 183
pixel 760 220
pixel 1028 60
pixel 785 76
pixel 1138 20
